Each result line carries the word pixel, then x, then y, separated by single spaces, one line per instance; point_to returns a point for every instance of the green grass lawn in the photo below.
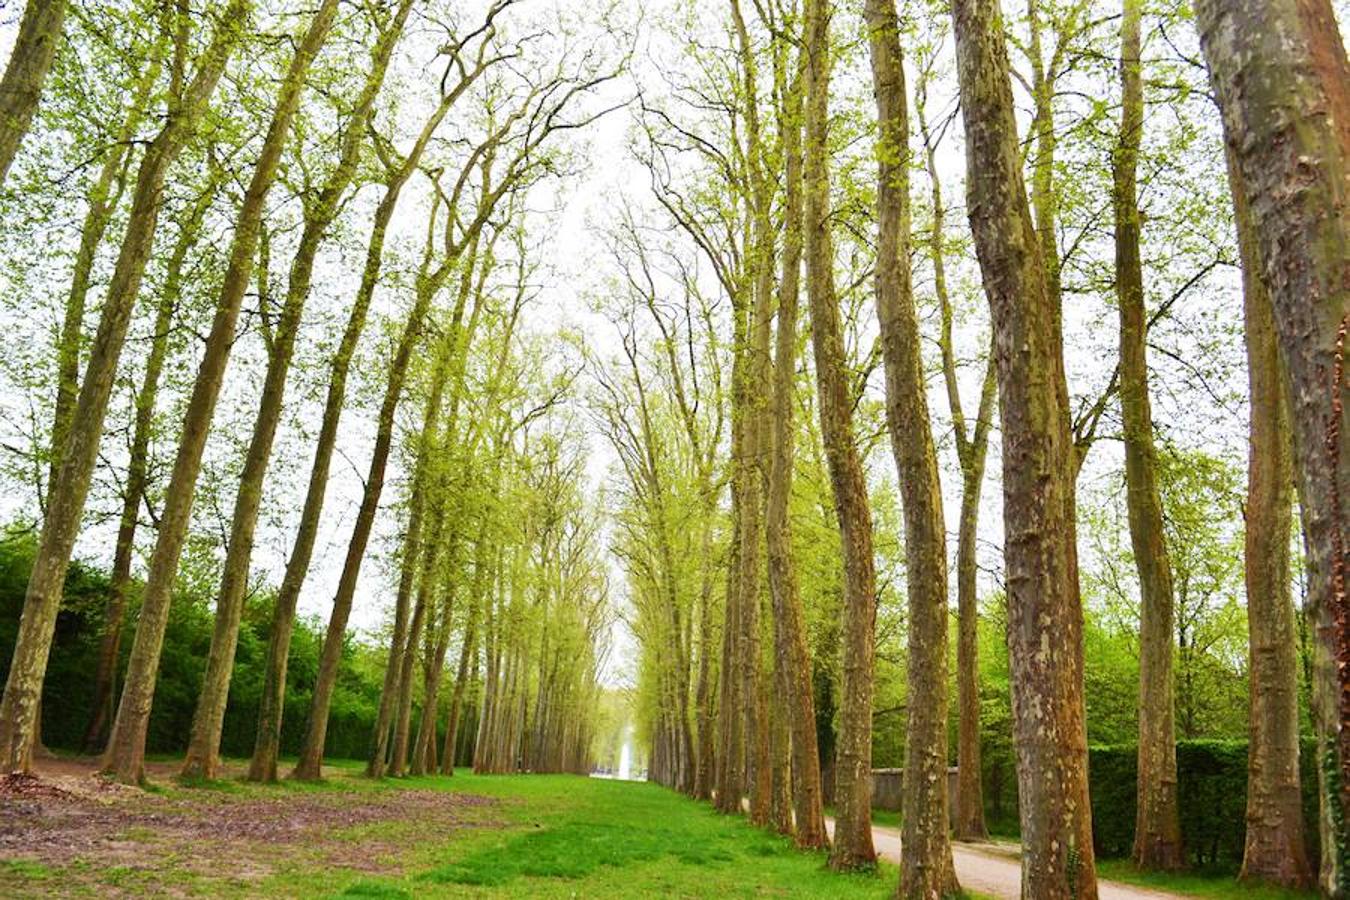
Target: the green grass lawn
pixel 585 837
pixel 545 836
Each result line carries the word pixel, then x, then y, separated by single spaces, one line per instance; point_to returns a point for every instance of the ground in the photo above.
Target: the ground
pixel 68 833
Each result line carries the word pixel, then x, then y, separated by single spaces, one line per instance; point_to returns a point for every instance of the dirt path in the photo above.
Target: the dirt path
pixel 996 872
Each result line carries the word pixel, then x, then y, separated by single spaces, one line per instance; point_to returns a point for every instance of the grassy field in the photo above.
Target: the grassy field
pixel 537 836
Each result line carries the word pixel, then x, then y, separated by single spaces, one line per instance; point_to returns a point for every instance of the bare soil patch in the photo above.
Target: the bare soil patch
pixel 70 819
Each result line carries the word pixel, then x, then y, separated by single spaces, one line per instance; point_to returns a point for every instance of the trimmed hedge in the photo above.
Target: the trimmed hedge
pixel 1212 790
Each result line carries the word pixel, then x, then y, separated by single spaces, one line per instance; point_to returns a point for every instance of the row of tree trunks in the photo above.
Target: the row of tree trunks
pixel 972 444
pixel 23 687
pixel 137 472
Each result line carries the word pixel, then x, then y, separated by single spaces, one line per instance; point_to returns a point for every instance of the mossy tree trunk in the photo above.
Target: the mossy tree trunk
pixel 853 767
pixel 1280 75
pixel 1045 614
pixel 1157 829
pixel 926 868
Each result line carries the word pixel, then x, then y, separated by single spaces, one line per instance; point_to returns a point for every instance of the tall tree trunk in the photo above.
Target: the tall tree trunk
pixel 468 652
pixel 926 868
pixel 23 686
pixel 1283 84
pixel 29 61
pixel 104 196
pixel 853 767
pixel 1157 824
pixel 137 478
pixel 971 449
pixel 792 656
pixel 125 755
pixel 730 773
pixel 759 270
pixel 1045 614
pixel 1275 849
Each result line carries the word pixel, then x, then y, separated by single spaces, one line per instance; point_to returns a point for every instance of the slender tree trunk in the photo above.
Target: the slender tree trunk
pixel 1279 71
pixel 29 61
pixel 971 448
pixel 759 775
pixel 792 657
pixel 1157 827
pixel 730 763
pixel 137 477
pixel 23 687
pixel 125 755
pixel 926 868
pixel 1275 849
pixel 468 652
pixel 853 767
pixel 103 199
pixel 704 713
pixel 1045 614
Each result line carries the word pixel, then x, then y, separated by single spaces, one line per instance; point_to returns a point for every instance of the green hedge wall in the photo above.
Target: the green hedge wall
pixel 1212 789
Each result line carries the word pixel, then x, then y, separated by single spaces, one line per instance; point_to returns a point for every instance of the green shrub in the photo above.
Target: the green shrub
pixel 1212 793
pixel 67 690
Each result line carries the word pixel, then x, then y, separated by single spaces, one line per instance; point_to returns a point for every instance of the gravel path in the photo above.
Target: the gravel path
pixel 997 872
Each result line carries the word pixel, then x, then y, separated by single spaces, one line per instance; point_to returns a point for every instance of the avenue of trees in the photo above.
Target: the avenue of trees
pixel 217 173
pixel 1148 190
pixel 967 379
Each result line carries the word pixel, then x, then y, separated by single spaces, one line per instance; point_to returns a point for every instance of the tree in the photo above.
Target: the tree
pixel 1045 616
pixel 1275 848
pixel 972 445
pixel 1157 830
pixel 853 776
pixel 792 656
pixel 1279 72
pixel 29 61
pixel 926 868
pixel 188 100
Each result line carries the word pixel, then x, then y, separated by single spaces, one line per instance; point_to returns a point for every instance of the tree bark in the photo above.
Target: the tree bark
pixel 926 868
pixel 23 687
pixel 1045 615
pixel 1275 849
pixel 103 198
pixel 1157 825
pixel 853 768
pixel 29 62
pixel 1280 74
